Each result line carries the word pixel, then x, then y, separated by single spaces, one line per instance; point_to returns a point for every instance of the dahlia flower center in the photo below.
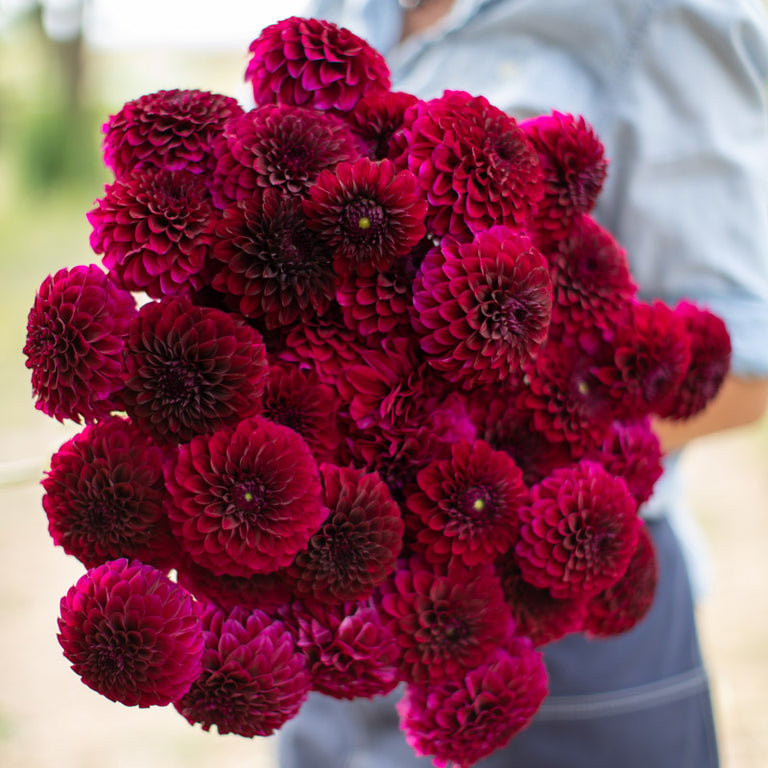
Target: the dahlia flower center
pixel 474 502
pixel 504 148
pixel 363 219
pixel 178 382
pixel 249 498
pixel 294 161
pixel 509 315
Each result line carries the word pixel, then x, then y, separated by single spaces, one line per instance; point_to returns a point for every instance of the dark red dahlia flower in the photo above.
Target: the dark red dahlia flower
pixel 246 499
pixel 474 164
pixel 579 532
pixel 191 370
pixel 468 504
pixel 154 228
pixel 447 618
pixel 313 63
pixel 710 347
pixel 626 603
pixel 482 309
pixel 270 265
pixel 357 545
pixel 574 165
pixel 76 332
pixel 132 634
pixel 253 679
pixel 167 129
pixel 368 214
pixel 278 146
pixel 461 721
pixel 377 118
pixel 349 652
pixel 105 497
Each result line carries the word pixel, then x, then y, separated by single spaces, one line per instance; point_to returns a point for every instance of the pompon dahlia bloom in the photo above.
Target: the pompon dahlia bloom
pixel 349 651
pixel 269 265
pixel 377 118
pixel 458 722
pixel 468 504
pixel 154 228
pixel 172 129
pixel 76 332
pixel 357 545
pixel 190 370
pixel 246 499
pixel 253 678
pixel 131 634
pixel 105 497
pixel 447 618
pixel 474 164
pixel 314 63
pixel 367 213
pixel 578 533
pixel 573 162
pixel 282 147
pixel 482 309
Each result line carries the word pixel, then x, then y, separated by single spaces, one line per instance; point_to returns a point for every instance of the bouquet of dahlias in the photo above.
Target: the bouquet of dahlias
pixel 366 398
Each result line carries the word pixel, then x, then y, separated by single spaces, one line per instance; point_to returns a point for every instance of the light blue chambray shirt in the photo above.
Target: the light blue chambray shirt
pixel 676 91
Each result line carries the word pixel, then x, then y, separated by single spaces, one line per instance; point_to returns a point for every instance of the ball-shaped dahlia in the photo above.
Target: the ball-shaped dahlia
pixel 357 545
pixel 253 678
pixel 269 265
pixel 246 499
pixel 131 634
pixel 314 63
pixel 482 309
pixel 461 721
pixel 578 533
pixel 377 118
pixel 349 651
pixel 168 129
pixel 105 497
pixel 368 214
pixel 474 164
pixel 468 504
pixel 277 146
pixel 191 370
pixel 76 333
pixel 154 228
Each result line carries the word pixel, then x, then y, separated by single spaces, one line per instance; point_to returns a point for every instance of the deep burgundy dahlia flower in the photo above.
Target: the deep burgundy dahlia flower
pixel 314 63
pixel 246 499
pixel 458 722
pixel 131 634
pixel 270 266
pixel 482 309
pixel 253 678
pixel 468 504
pixel 168 129
pixel 377 118
pixel 368 214
pixel 191 370
pixel 154 228
pixel 76 332
pixel 105 497
pixel 578 533
pixel 357 545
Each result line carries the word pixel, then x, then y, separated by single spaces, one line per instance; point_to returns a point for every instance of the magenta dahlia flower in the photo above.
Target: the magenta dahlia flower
pixel 349 651
pixel 447 618
pixel 167 129
pixel 314 63
pixel 76 333
pixel 154 228
pixel 482 309
pixel 368 214
pixel 270 265
pixel 578 533
pixel 468 504
pixel 191 370
pixel 253 678
pixel 246 498
pixel 377 118
pixel 474 164
pixel 105 497
pixel 357 545
pixel 131 634
pixel 461 721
